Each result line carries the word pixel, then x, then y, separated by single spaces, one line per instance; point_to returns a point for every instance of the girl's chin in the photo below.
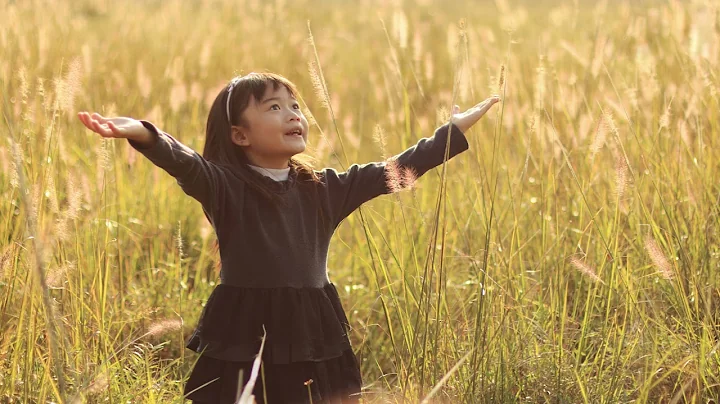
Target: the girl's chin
pixel 297 150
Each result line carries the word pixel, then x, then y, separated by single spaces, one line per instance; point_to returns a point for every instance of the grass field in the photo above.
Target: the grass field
pixel 571 256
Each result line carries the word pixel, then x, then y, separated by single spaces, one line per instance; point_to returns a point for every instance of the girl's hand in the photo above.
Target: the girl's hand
pixel 467 119
pixel 125 128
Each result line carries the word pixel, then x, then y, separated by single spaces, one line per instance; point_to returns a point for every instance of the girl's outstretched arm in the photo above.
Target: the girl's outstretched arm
pixel 346 191
pixel 196 176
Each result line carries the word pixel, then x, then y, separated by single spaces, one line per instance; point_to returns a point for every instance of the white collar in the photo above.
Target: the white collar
pixel 277 174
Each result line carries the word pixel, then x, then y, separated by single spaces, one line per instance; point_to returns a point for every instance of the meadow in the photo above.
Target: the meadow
pixel 572 255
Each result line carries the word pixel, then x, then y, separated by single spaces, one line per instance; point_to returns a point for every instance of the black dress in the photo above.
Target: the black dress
pixel 300 324
pixel 274 270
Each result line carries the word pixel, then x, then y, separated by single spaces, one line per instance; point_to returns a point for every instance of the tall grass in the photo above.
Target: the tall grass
pixel 571 255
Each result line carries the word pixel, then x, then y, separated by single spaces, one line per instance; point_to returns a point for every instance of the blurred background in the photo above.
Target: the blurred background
pixel 571 255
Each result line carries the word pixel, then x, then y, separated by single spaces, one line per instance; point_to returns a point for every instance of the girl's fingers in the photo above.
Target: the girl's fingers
pixel 100 125
pixel 99 117
pixel 81 117
pixel 484 106
pixel 489 101
pixel 102 130
pixel 114 128
pixel 85 119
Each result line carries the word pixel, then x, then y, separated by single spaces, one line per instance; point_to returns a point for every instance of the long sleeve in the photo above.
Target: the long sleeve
pixel 198 178
pixel 348 190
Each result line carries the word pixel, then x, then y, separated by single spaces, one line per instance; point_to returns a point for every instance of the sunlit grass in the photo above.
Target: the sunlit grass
pixel 571 255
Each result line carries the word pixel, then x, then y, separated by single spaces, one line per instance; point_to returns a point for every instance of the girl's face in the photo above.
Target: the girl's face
pixel 273 130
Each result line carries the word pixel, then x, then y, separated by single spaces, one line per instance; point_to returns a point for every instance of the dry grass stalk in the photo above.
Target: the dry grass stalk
pixel 585 269
pixel 162 327
pixel 399 178
pixel 661 262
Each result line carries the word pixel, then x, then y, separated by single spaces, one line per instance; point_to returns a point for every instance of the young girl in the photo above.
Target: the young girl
pixel 274 217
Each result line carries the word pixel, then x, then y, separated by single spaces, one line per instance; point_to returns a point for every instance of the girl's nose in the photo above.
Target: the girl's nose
pixel 295 116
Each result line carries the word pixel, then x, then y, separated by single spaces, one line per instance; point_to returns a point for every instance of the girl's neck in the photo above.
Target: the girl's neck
pixel 264 162
pixel 277 174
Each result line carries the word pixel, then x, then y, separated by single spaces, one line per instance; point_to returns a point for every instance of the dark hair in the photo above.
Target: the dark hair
pixel 219 147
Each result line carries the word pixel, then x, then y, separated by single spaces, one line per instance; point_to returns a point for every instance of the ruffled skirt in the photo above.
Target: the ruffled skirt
pixel 306 337
pixel 331 381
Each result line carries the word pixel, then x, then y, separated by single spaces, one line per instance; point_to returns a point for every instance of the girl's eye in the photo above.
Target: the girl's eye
pixel 275 106
pixel 296 106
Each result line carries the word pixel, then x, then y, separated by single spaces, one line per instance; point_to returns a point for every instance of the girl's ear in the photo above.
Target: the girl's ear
pixel 238 136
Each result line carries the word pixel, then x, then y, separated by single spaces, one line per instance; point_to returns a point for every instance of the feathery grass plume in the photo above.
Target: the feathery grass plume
pixel 6 258
pixel 409 177
pixel 658 258
pixel 622 174
pixel 35 194
pixel 397 178
pixel 682 128
pixel 665 118
pixel 24 87
pixel 381 140
pixel 501 79
pixel 585 269
pixel 610 125
pixel 393 176
pixel 104 154
pixel 104 162
pixel 442 115
pixel 540 86
pixel 67 88
pixel 40 89
pixel 18 156
pixel 309 116
pixel 55 276
pixel 317 84
pixel 600 137
pixel 162 327
pixel 179 240
pixel 144 82
pixel 400 28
